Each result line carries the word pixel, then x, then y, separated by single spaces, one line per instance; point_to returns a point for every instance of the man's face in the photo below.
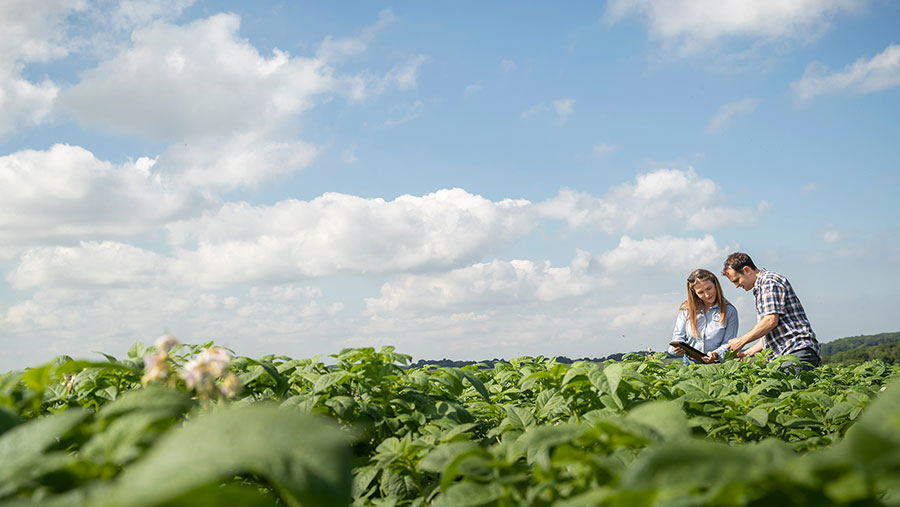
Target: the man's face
pixel 743 279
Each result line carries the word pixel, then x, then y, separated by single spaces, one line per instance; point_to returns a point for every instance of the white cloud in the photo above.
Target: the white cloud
pixel 246 159
pixel 875 74
pixel 507 65
pixel 831 236
pixel 229 114
pixel 127 14
pixel 656 201
pixel 66 193
pixel 23 103
pixel 293 240
pixel 198 81
pixel 285 319
pixel 602 149
pixel 728 111
pixel 534 110
pixel 341 233
pixel 563 109
pixel 665 252
pixel 90 264
pixel 473 88
pixel 332 49
pixel 489 284
pixel 405 114
pixel 693 25
pixel 32 32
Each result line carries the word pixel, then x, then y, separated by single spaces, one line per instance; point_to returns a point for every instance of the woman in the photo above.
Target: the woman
pixel 701 323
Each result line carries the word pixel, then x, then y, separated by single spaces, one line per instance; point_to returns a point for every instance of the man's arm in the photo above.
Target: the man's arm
pixel 762 328
pixel 752 350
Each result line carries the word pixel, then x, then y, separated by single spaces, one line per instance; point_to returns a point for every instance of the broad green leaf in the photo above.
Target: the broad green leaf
pixel 665 418
pixel 137 350
pixel 22 449
pixel 329 379
pixel 758 416
pixel 520 417
pixel 550 403
pixel 470 494
pixel 613 373
pixel 306 460
pixel 476 383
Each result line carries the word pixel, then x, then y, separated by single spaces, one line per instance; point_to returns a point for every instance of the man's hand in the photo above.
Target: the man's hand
pixel 749 353
pixel 711 357
pixel 736 344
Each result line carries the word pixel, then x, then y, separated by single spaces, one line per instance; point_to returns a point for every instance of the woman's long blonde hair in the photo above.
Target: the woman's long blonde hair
pixel 694 304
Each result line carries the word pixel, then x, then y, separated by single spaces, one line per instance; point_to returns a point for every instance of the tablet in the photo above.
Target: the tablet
pixel 691 352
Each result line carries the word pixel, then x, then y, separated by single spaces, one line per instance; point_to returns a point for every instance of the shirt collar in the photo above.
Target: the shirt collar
pixel 757 283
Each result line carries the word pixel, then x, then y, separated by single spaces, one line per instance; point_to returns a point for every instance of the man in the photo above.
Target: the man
pixel 782 322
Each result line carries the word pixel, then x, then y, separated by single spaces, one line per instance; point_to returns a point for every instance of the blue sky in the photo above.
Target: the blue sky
pixel 466 181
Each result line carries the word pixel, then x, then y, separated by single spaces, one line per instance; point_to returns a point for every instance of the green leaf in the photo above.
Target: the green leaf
pixel 329 379
pixel 137 350
pixel 550 403
pixel 758 416
pixel 665 418
pixel 437 460
pixel 476 383
pixel 520 417
pixel 22 449
pixel 470 494
pixel 306 460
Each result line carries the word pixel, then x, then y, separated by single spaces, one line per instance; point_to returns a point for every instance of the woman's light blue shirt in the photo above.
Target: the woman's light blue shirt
pixel 712 335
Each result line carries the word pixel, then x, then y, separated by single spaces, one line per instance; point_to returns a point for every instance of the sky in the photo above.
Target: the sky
pixel 462 180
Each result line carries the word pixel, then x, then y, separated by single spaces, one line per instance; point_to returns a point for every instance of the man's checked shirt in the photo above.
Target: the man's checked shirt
pixel 774 294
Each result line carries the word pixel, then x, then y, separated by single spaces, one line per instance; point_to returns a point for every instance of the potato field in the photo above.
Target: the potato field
pixel 175 424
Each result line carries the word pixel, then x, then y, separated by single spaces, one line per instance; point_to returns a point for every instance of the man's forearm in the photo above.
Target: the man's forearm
pixel 762 328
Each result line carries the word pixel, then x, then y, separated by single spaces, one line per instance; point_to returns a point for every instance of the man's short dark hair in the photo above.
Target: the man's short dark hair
pixel 737 261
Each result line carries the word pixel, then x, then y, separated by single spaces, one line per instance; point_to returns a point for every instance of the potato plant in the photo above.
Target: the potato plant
pixel 176 424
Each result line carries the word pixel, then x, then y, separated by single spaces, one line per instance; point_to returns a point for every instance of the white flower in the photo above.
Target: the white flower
pixel 155 367
pixel 201 372
pixel 230 385
pixel 165 343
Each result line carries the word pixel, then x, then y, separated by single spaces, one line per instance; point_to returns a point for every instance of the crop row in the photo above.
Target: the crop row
pixel 191 425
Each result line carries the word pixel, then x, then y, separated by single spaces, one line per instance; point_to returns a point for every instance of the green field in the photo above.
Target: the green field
pixel 190 427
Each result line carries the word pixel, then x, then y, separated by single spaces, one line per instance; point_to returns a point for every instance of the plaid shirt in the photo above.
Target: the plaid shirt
pixel 774 294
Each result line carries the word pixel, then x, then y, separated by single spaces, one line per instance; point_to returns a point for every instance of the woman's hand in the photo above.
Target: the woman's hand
pixel 711 357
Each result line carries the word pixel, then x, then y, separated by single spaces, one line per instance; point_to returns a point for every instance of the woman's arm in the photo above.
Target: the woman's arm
pixel 731 329
pixel 679 334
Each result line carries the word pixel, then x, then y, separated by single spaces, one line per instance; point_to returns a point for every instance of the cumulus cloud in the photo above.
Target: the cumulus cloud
pixel 865 75
pixel 337 233
pixel 654 202
pixel 32 32
pixel 293 240
pixel 104 263
pixel 728 111
pixel 490 284
pixel 664 252
pixel 286 319
pixel 692 25
pixel 66 193
pixel 563 109
pixel 178 83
